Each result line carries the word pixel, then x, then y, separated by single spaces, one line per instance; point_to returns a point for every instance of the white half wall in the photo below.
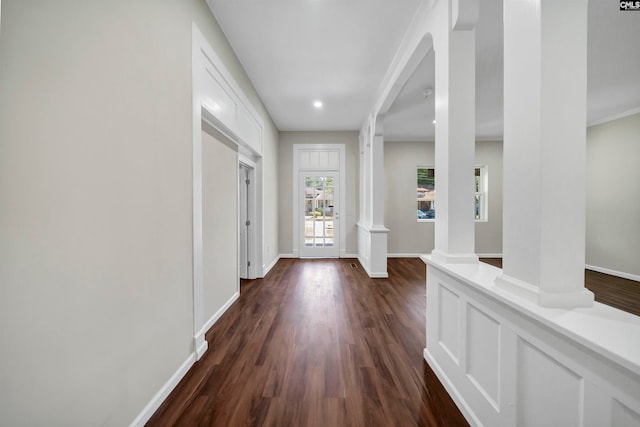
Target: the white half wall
pixel 506 361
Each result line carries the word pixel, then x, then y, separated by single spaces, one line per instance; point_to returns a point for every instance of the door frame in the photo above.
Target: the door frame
pixel 340 169
pixel 252 270
pixel 208 72
pixel 320 252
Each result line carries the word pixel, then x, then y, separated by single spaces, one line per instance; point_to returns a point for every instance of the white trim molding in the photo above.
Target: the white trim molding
pixel 286 256
pixel 164 392
pixel 209 324
pixel 267 269
pixel 404 255
pixel 348 255
pixel 489 255
pixel 610 272
pixel 613 117
pixel 168 387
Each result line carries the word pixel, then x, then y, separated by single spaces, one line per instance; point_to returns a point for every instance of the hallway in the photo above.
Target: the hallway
pixel 317 343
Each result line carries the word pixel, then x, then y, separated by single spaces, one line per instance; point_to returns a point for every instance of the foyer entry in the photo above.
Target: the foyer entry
pixel 318 199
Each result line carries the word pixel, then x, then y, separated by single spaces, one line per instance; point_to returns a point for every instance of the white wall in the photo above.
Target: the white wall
pixel 406 234
pixel 96 305
pixel 613 195
pixel 285 184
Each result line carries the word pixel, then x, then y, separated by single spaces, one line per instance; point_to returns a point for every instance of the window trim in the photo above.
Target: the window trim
pixel 484 193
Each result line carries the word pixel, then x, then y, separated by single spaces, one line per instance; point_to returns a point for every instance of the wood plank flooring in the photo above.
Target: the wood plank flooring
pixel 617 292
pixel 317 343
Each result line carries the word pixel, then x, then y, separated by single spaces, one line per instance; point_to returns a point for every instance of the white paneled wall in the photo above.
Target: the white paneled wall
pixel 508 362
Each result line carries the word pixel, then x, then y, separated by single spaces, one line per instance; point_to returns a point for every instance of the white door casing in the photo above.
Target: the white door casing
pixel 319 160
pixel 247 266
pixel 319 214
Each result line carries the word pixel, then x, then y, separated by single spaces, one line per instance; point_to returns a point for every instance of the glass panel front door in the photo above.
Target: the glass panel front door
pixel 319 216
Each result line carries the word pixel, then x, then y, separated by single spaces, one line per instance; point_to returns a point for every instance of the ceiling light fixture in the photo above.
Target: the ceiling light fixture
pixel 317 104
pixel 434 122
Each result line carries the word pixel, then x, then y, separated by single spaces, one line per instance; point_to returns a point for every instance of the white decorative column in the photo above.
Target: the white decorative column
pixel 378 231
pixel 455 138
pixel 545 86
pixel 507 360
pixel 372 234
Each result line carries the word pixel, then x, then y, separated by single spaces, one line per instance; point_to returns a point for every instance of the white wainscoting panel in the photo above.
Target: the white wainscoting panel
pixel 483 354
pixel 506 361
pixel 537 404
pixel 449 334
pixel 624 416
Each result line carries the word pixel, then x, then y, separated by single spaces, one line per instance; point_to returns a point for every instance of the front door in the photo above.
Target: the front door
pixel 319 214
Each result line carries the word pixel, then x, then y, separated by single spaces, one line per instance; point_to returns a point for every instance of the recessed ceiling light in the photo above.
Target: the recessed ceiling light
pixel 317 104
pixel 434 122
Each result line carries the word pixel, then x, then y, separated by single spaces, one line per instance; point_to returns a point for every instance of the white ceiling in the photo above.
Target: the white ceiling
pixel 297 51
pixel 337 51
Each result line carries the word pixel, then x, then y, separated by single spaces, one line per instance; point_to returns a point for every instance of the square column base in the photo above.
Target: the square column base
pixel 580 298
pixel 444 258
pixel 372 250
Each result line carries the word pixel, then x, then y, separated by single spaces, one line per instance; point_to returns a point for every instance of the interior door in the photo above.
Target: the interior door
pixel 244 225
pixel 318 214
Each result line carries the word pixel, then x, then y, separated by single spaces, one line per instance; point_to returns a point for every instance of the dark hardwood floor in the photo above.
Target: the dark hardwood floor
pixel 317 343
pixel 617 292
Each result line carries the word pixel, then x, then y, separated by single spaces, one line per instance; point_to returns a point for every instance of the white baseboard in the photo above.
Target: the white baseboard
pixel 164 391
pixel 267 269
pixel 201 346
pixel 613 272
pixel 404 255
pixel 489 255
pixel 284 256
pixel 168 387
pixel 373 275
pixel 462 405
pixel 217 315
pixel 414 255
